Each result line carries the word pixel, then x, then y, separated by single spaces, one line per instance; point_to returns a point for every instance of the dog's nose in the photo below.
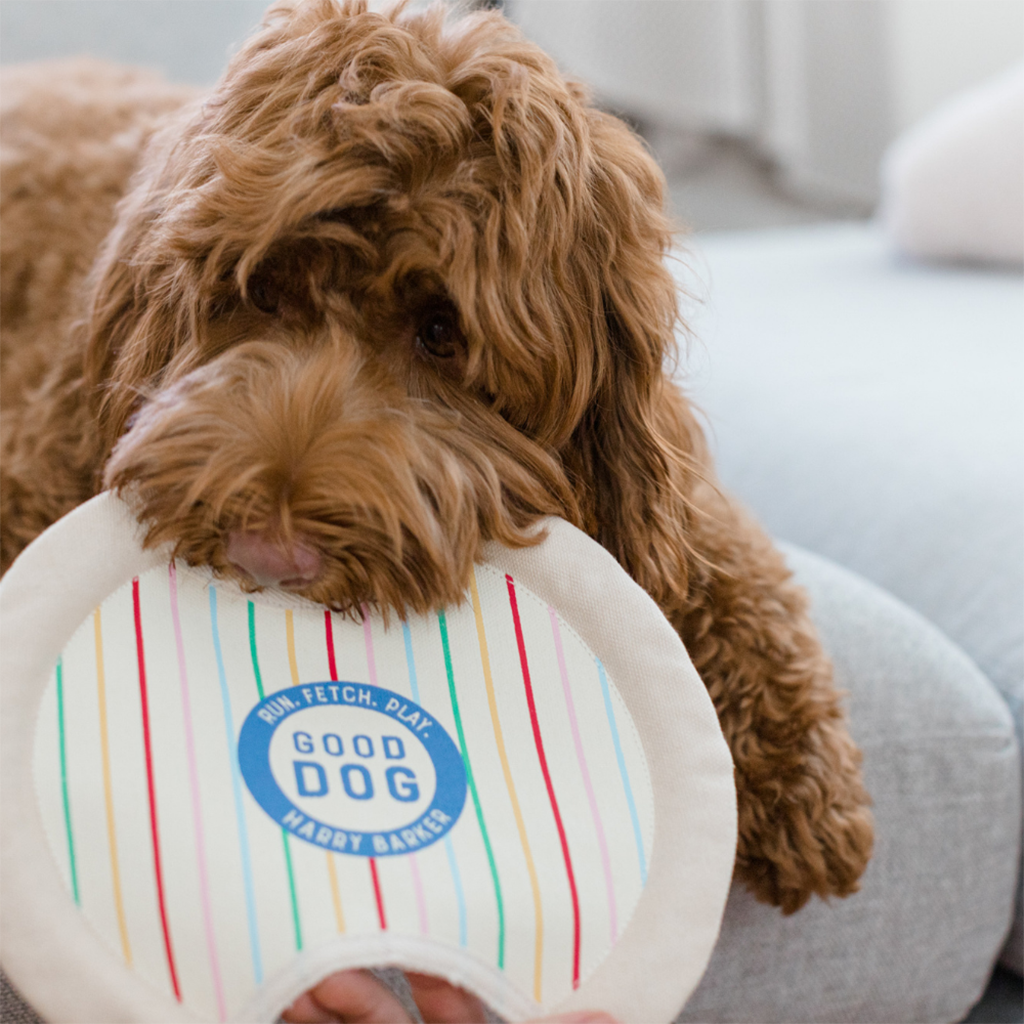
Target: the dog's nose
pixel 272 562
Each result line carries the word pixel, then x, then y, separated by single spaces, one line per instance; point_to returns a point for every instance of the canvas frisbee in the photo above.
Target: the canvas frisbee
pixel 213 799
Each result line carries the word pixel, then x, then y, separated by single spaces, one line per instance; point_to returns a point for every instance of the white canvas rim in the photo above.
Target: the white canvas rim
pixel 649 973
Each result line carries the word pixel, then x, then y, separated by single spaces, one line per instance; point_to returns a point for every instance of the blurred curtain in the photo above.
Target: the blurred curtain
pixel 684 63
pixel 827 108
pixel 805 82
pixel 820 86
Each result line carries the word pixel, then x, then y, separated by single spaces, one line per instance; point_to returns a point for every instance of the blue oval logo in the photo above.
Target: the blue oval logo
pixel 352 768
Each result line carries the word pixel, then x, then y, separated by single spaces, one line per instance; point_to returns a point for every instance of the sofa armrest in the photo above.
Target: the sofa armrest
pixel 942 766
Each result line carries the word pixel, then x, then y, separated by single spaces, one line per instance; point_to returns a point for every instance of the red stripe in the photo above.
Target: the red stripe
pixel 152 790
pixel 332 665
pixel 330 646
pixel 547 782
pixel 377 895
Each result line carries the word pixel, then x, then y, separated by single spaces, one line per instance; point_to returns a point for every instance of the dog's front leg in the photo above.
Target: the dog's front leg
pixel 804 823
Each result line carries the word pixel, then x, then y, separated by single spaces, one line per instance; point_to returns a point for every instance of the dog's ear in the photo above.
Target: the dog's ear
pixel 148 291
pixel 576 248
pixel 130 331
pixel 638 450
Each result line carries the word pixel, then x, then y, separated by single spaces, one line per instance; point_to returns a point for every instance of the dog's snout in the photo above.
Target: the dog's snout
pixel 272 562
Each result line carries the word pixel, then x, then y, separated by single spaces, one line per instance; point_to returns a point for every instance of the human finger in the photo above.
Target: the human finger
pixel 351 997
pixel 305 1011
pixel 443 1003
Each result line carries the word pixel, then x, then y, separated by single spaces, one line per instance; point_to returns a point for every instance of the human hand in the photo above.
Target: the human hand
pixel 357 997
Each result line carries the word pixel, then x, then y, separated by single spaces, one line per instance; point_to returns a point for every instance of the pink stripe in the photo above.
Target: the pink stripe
pixel 417 882
pixel 581 757
pixel 197 818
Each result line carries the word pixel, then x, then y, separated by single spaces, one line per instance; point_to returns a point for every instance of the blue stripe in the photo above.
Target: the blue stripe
pixel 452 864
pixel 623 772
pixel 457 880
pixel 236 783
pixel 411 662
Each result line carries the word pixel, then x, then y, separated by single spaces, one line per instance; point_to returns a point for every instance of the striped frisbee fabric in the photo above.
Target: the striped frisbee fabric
pixel 227 782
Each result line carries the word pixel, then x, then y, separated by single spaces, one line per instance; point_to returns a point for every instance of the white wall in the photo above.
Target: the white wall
pixel 826 95
pixel 683 63
pixel 938 47
pixel 820 85
pixel 189 40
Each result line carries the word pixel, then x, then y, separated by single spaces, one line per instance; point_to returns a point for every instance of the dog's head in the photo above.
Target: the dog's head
pixel 394 289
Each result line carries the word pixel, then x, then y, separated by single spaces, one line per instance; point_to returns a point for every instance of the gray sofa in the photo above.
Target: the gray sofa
pixel 869 410
pixel 918 941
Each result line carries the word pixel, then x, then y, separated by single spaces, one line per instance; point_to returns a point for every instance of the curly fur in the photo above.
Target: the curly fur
pixel 248 354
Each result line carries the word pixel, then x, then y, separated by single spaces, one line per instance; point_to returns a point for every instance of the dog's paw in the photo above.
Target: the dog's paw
pixel 804 836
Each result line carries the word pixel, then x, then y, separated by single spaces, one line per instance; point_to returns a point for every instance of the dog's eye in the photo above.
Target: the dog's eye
pixel 438 335
pixel 263 294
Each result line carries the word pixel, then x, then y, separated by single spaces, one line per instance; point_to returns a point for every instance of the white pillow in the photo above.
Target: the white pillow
pixel 169 853
pixel 953 185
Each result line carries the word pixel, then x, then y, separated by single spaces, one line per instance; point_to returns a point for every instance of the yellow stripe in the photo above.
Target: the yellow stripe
pixel 108 789
pixel 538 947
pixel 289 629
pixel 339 917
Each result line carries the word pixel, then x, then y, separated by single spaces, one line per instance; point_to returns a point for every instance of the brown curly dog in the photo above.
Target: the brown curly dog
pixel 392 289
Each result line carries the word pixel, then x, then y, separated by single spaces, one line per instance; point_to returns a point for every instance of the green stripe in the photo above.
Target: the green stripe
pixel 284 832
pixel 64 779
pixel 252 649
pixel 472 788
pixel 291 886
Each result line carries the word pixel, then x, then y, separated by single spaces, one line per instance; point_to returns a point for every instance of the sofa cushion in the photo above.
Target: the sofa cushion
pixel 870 409
pixel 953 184
pixel 940 761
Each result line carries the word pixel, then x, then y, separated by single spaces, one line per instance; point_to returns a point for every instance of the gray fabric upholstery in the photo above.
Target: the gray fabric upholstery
pixel 14 1009
pixel 1003 1001
pixel 869 409
pixel 941 762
